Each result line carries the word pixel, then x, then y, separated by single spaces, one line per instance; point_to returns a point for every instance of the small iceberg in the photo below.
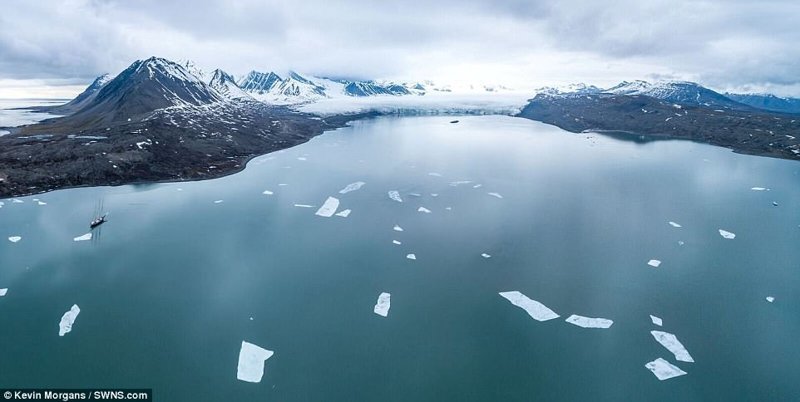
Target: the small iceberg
pixel 352 187
pixel 656 320
pixel 423 209
pixel 589 322
pixel 328 208
pixel 303 206
pixel 3 292
pixel 664 370
pixel 267 192
pixel 411 256
pixel 672 344
pixel 398 242
pixel 769 299
pixel 654 263
pixel 14 239
pixel 395 195
pixel 758 188
pixel 251 362
pixel 219 201
pixel 397 228
pixel 726 234
pixel 345 213
pixel 496 195
pixel 484 255
pixel 536 310
pixel 41 202
pixel 87 236
pixel 68 319
pixel 675 225
pixel 384 303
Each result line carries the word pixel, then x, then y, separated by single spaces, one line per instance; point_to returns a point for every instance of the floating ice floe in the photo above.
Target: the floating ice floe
pixel 219 201
pixel 726 234
pixel 395 195
pixel 758 188
pixel 411 256
pixel 302 158
pixel 434 194
pixel 477 186
pixel 495 195
pixel 267 192
pixel 448 208
pixel 423 209
pixel 435 174
pixel 382 306
pixel 397 228
pixel 282 184
pixel 14 239
pixel 68 319
pixel 328 208
pixel 536 310
pixel 352 187
pixel 672 344
pixel 459 182
pixel 415 194
pixel 656 320
pixel 654 263
pixel 303 206
pixel 484 255
pixel 3 292
pixel 17 201
pixel 769 299
pixel 84 237
pixel 251 362
pixel 398 242
pixel 774 203
pixel 41 202
pixel 674 224
pixel 344 213
pixel 680 242
pixel 589 322
pixel 664 370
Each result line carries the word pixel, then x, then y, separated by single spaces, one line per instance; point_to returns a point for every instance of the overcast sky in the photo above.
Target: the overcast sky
pixel 54 48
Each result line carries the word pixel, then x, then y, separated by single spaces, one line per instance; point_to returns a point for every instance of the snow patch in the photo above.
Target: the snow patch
pixel 328 208
pixel 251 362
pixel 65 325
pixel 536 310
pixel 352 187
pixel 589 322
pixel 664 370
pixel 672 344
pixel 382 306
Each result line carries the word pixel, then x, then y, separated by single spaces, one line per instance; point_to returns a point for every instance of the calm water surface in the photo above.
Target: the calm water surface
pixel 168 287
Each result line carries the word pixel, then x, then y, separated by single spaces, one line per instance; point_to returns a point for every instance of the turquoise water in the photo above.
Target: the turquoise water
pixel 168 287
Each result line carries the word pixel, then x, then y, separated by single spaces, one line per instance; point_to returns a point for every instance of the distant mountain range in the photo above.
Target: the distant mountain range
pixel 161 120
pixel 752 124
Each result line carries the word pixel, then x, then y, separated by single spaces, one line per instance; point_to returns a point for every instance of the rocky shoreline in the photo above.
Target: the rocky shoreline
pixel 753 132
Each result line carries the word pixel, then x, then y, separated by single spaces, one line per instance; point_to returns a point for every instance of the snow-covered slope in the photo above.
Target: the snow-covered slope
pixel 226 85
pixel 680 92
pixel 768 102
pixel 259 83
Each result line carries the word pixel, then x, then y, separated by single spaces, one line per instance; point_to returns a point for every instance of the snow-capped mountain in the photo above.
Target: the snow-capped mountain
pixel 680 92
pixel 195 70
pixel 84 97
pixel 570 90
pixel 146 86
pixel 259 83
pixel 768 102
pixel 226 85
pixel 371 88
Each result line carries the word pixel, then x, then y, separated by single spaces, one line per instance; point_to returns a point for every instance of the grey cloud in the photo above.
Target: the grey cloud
pixel 723 43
